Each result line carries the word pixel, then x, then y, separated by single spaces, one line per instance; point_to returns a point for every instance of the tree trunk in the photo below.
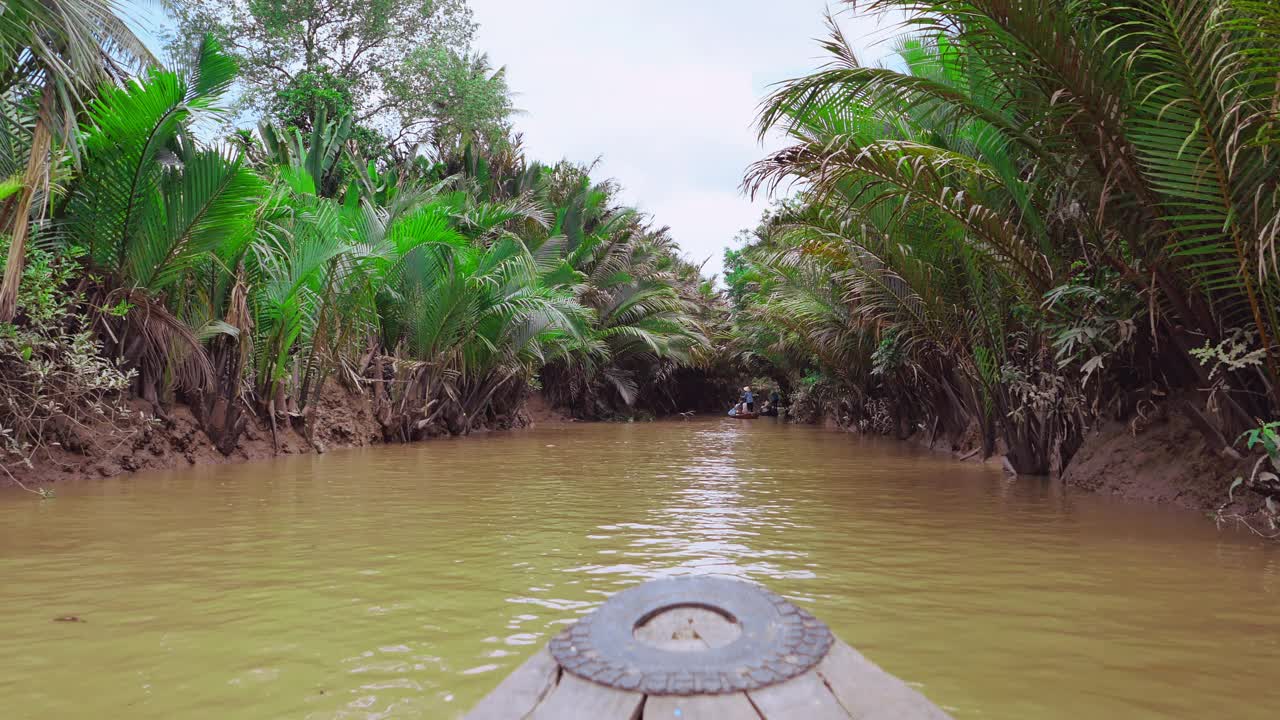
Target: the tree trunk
pixel 37 174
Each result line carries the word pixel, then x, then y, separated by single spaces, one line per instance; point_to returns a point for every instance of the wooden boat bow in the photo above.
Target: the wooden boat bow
pixel 701 647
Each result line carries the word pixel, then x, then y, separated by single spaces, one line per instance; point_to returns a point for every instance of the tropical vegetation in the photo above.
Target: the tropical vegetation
pixel 1036 215
pixel 404 70
pixel 244 275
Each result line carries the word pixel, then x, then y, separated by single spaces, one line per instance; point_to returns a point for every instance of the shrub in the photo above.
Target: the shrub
pixel 56 388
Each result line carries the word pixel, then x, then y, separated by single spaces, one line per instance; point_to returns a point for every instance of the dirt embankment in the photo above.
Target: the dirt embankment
pixel 539 411
pixel 1168 461
pixel 341 419
pixel 1164 460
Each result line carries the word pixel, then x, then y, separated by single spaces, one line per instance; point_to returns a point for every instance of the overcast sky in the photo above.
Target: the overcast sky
pixel 665 92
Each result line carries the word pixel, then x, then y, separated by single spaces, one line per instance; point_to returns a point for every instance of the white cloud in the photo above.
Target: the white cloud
pixel 665 92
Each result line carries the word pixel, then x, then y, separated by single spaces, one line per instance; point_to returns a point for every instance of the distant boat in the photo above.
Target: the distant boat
pixel 733 413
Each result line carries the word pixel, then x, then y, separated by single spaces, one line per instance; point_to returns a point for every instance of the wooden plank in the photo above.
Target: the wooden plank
pixel 578 699
pixel 804 697
pixel 688 629
pixel 701 707
pixel 672 630
pixel 868 692
pixel 714 628
pixel 521 692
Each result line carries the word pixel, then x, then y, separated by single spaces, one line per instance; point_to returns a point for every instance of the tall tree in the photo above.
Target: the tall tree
pixel 395 65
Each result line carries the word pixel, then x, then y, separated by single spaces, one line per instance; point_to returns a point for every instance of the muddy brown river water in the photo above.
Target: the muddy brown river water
pixel 405 582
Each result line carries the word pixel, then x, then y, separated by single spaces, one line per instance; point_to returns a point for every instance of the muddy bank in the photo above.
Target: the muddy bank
pixel 1167 461
pixel 341 419
pixel 175 439
pixel 538 410
pixel 1163 460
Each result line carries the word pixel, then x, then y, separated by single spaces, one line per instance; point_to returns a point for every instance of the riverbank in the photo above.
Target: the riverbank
pixel 1160 459
pixel 148 441
pixel 340 419
pixel 1163 461
pixel 1167 462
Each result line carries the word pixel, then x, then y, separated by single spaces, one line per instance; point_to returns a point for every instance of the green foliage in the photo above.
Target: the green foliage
pixel 1266 437
pixel 315 156
pixel 1264 482
pixel 1237 351
pixel 56 386
pixel 402 69
pixel 53 53
pixel 151 202
pixel 241 278
pixel 888 355
pixel 313 99
pixel 1022 221
pixel 1088 320
pixel 309 95
pixel 10 186
pixel 464 101
pixel 737 276
pixel 649 315
pixel 65 46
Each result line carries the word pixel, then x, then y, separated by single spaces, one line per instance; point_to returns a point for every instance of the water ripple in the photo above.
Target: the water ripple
pixel 403 582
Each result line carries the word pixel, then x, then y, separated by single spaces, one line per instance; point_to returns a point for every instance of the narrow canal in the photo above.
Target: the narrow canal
pixel 405 582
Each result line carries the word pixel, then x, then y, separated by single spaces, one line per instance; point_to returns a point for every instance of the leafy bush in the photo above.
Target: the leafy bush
pixel 1264 480
pixel 55 385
